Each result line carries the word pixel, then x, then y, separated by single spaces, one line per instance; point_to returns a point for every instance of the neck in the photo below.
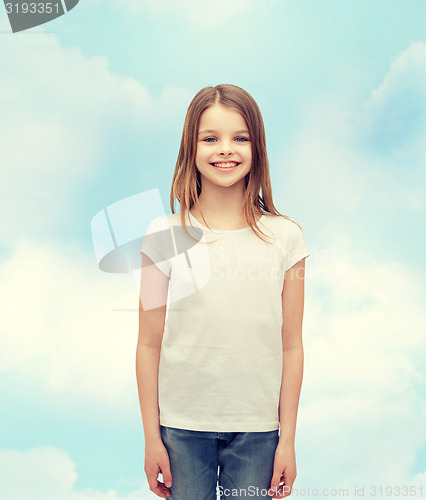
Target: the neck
pixel 220 202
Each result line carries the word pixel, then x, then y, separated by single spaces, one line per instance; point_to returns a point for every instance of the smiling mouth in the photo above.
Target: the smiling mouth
pixel 226 165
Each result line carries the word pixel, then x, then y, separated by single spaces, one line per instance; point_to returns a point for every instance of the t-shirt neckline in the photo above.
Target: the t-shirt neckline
pixel 197 223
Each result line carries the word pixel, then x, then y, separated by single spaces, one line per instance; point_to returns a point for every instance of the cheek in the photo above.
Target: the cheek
pixel 198 155
pixel 201 157
pixel 201 152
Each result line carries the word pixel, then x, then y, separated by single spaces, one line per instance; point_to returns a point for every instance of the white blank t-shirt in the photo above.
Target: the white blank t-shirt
pixel 221 355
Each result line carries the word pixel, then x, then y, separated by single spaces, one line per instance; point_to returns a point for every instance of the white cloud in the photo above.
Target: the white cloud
pixel 61 327
pixel 368 157
pixel 363 376
pixel 393 118
pixel 48 473
pixel 407 73
pixel 59 112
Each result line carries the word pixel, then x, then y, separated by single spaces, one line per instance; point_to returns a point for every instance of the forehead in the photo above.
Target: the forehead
pixel 221 118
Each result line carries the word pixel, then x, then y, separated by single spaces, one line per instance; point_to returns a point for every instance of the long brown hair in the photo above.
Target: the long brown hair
pixel 186 183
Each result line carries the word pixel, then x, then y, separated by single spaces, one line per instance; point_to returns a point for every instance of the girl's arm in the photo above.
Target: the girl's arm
pixel 152 314
pixel 293 298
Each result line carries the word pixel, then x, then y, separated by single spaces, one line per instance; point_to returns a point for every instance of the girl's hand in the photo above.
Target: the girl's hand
pixel 284 471
pixel 157 462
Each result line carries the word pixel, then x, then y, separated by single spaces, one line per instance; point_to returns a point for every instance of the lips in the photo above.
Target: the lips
pixel 225 163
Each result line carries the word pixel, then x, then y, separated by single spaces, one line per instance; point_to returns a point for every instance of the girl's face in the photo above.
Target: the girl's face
pixel 223 137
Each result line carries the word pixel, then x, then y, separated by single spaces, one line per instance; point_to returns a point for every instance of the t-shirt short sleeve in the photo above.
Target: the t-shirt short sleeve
pixel 156 244
pixel 296 246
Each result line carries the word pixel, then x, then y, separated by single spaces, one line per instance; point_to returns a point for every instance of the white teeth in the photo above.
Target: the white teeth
pixel 225 165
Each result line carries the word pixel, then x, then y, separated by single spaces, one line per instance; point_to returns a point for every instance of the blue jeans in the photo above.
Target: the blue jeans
pixel 245 461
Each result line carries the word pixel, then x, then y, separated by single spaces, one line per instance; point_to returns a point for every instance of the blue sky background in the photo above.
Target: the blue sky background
pixel 92 106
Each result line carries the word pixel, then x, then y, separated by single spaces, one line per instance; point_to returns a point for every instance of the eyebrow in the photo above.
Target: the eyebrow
pixel 214 131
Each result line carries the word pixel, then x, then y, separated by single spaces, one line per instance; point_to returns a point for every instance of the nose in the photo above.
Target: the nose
pixel 225 148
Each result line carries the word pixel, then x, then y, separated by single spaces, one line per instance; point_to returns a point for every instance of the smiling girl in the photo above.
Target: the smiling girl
pixel 219 371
